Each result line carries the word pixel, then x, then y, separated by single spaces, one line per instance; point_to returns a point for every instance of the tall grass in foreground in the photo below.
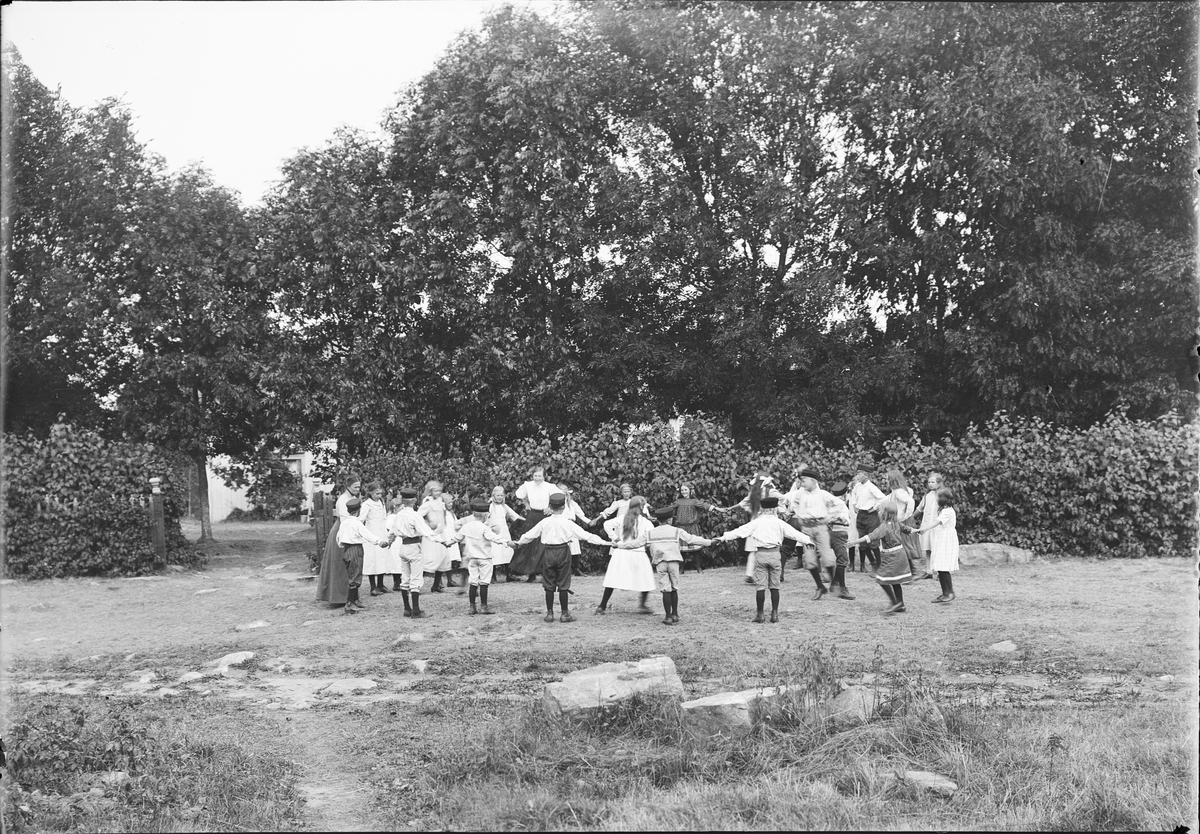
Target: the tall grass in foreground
pixel 82 763
pixel 1108 768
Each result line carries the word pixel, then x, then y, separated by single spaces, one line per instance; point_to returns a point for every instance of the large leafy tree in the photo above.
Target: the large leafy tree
pixel 76 190
pixel 1020 202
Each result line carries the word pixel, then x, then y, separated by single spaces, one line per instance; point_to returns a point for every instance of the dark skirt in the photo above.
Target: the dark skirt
pixel 692 527
pixel 333 583
pixel 528 558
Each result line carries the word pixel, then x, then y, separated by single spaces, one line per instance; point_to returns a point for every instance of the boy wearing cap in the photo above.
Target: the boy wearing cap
pixel 667 557
pixel 409 526
pixel 352 535
pixel 556 533
pixel 864 502
pixel 477 537
pixel 765 533
pixel 839 534
pixel 810 505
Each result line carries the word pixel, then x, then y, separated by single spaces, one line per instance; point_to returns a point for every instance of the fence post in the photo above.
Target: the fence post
pixel 319 523
pixel 158 523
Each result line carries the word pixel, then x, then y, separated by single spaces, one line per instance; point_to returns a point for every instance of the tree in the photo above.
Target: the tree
pixel 1020 201
pixel 199 330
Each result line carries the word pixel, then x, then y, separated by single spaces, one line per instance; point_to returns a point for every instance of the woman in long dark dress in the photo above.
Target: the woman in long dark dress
pixel 333 583
pixel 535 493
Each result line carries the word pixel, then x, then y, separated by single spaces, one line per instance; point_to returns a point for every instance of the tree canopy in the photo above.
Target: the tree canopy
pixel 819 218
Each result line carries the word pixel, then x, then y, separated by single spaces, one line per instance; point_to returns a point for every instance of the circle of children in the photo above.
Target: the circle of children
pixel 418 536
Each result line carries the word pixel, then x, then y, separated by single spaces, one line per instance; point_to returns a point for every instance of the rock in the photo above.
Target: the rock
pixel 348 685
pixel 41 606
pixel 253 625
pixel 166 692
pixel 588 690
pixel 1003 646
pixel 280 566
pixel 233 659
pixel 728 714
pixel 188 677
pixel 1166 678
pixel 314 622
pixel 96 792
pixel 411 637
pixel 204 591
pixel 932 782
pixel 420 665
pixel 130 656
pixel 856 705
pixel 144 675
pixel 991 553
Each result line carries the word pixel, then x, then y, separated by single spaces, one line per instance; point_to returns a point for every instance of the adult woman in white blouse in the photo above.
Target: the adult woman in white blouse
pixel 535 494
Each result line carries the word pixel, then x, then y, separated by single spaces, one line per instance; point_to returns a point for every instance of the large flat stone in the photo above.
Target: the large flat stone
pixel 991 553
pixel 855 705
pixel 933 782
pixel 608 684
pixel 729 714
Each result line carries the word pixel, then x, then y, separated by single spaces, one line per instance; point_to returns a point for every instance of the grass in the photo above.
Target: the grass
pixel 85 763
pixel 633 768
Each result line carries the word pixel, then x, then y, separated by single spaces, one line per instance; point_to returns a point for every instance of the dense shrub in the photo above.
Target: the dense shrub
pixel 1119 488
pixel 73 506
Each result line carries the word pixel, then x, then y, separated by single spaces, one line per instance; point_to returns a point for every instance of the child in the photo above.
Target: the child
pixel 764 534
pixel 352 535
pixel 574 512
pixel 761 486
pixel 685 515
pixel 331 582
pixel 556 533
pixel 391 560
pixel 891 571
pixel 666 544
pixel 410 528
pixel 839 533
pixel 499 515
pixel 374 517
pixel 535 493
pixel 811 506
pixel 437 556
pixel 864 504
pixel 628 564
pixel 477 540
pixel 943 543
pixel 929 513
pixel 615 513
pixel 899 492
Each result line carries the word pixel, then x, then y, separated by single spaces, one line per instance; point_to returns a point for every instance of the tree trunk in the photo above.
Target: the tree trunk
pixel 201 462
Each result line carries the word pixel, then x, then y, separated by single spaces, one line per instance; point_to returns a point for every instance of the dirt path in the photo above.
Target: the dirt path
pixel 1081 633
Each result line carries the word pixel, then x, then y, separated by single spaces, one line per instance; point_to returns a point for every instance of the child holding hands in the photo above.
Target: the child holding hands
pixel 943 543
pixel 892 569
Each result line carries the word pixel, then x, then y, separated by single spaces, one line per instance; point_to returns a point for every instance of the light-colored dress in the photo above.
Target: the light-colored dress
pixel 629 569
pixel 391 555
pixel 373 516
pixel 943 541
pixel 438 556
pixel 498 517
pixel 929 514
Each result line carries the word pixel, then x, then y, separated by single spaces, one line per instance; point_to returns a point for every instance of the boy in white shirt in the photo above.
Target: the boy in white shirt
pixel 352 535
pixel 765 533
pixel 410 526
pixel 556 533
pixel 477 537
pixel 864 502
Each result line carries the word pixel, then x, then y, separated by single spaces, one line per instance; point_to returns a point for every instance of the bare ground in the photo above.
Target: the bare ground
pixel 1086 632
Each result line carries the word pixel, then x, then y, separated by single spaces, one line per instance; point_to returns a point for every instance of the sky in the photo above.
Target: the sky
pixel 239 86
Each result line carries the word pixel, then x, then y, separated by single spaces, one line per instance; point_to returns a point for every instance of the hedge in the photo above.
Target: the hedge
pixel 1121 488
pixel 73 506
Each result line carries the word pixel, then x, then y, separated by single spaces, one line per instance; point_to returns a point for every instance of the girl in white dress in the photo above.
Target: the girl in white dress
pixel 373 516
pixel 391 559
pixel 438 556
pixel 928 509
pixel 629 566
pixel 499 515
pixel 943 543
